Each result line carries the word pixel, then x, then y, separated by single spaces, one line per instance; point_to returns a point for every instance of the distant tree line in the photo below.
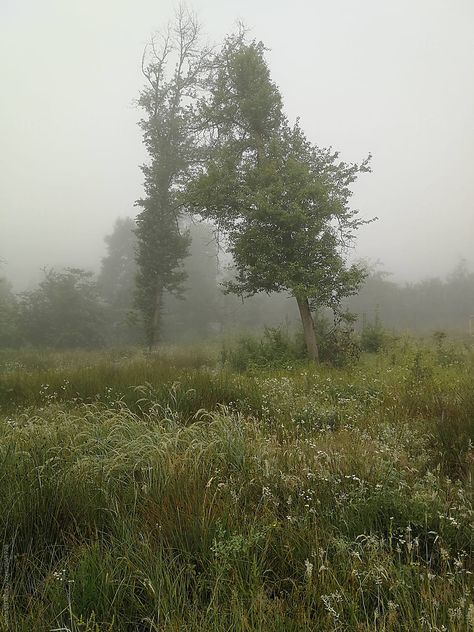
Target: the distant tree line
pixel 74 308
pixel 223 159
pixel 422 306
pixel 221 150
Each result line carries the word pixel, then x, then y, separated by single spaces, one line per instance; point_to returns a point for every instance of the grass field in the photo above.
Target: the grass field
pixel 168 492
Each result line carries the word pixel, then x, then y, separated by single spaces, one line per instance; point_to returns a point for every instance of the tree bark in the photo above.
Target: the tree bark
pixel 308 329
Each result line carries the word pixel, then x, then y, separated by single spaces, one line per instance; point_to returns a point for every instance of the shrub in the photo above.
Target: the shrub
pixel 277 349
pixel 373 336
pixel 337 344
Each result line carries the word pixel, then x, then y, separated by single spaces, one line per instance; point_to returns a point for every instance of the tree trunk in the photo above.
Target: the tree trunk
pixel 308 329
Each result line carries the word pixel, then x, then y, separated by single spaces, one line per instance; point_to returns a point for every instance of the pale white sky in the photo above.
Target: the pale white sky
pixel 391 77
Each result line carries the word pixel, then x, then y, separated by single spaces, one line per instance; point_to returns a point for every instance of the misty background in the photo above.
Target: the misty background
pixel 393 79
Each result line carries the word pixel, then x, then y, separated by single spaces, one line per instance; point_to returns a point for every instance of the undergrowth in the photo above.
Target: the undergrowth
pixel 145 493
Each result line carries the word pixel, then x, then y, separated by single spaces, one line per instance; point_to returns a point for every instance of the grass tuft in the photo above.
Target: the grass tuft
pixel 146 493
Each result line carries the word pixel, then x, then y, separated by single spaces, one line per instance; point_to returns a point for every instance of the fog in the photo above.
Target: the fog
pixel 390 78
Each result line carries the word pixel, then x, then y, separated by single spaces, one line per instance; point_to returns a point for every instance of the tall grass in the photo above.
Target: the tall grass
pixel 138 383
pixel 197 499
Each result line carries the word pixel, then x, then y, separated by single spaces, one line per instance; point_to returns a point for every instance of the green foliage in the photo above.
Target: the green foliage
pixel 286 240
pixel 173 69
pixel 116 283
pixel 337 343
pixel 189 316
pixel 277 349
pixel 245 105
pixel 161 249
pixel 142 384
pixel 446 353
pixel 373 336
pixel 282 202
pixel 64 311
pixel 195 314
pixel 454 440
pixel 9 330
pixel 322 503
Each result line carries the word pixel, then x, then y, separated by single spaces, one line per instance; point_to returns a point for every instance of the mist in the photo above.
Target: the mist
pixel 393 79
pixel 236 315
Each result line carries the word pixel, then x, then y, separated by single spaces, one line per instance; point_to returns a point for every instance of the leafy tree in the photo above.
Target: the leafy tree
pixel 187 317
pixel 193 315
pixel 117 275
pixel 64 311
pixel 174 68
pixel 282 202
pixel 117 283
pixel 9 332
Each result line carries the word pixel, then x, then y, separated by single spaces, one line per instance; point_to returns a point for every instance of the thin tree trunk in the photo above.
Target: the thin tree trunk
pixel 308 329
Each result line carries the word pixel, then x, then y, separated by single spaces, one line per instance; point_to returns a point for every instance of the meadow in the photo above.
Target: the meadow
pixel 181 491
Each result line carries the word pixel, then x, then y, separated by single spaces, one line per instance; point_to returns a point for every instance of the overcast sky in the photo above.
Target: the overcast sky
pixel 390 77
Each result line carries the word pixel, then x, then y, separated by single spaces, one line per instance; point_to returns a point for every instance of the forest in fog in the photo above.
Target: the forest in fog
pixel 77 308
pixel 236 317
pixel 243 220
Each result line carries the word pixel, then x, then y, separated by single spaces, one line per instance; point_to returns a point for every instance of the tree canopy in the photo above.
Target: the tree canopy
pixel 282 202
pixel 173 66
pixel 65 311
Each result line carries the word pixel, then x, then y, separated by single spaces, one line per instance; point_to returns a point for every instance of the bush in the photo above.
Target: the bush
pixel 373 336
pixel 65 311
pixel 337 344
pixel 277 349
